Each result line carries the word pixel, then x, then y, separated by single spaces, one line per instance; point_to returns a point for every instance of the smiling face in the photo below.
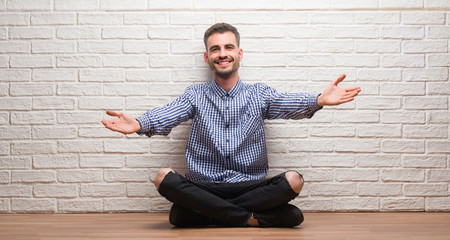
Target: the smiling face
pixel 223 55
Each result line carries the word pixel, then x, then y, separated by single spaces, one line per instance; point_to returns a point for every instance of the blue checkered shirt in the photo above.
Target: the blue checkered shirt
pixel 227 141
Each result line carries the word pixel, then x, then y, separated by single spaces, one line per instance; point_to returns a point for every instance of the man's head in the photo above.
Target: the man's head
pixel 223 54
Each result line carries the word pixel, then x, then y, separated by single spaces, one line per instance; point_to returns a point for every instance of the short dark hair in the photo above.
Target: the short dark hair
pixel 221 28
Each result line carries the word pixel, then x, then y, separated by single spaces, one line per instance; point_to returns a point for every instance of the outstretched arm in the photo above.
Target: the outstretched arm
pixel 334 95
pixel 124 123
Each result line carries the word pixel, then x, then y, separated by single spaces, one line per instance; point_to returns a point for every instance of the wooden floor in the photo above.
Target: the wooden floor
pixel 146 226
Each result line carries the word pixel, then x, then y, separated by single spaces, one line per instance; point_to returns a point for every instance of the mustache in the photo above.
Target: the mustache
pixel 223 58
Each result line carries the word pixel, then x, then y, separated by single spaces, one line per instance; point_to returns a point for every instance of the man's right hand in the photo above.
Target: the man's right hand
pixel 124 123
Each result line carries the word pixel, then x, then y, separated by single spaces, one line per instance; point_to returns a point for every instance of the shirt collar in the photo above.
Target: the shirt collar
pixel 222 93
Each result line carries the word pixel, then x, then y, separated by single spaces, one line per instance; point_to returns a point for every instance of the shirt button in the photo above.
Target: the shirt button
pixel 227 126
pixel 228 157
pixel 228 140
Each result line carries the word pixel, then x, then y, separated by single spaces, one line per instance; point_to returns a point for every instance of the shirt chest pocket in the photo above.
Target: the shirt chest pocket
pixel 250 120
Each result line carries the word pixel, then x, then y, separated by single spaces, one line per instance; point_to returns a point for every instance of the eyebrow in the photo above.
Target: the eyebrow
pixel 226 45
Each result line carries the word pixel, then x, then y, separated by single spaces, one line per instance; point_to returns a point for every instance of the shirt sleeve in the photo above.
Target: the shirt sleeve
pixel 288 105
pixel 160 121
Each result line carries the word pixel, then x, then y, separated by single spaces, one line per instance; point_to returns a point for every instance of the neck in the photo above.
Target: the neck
pixel 227 83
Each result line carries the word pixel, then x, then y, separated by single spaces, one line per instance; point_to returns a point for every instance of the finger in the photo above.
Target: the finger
pixel 340 78
pixel 350 89
pixel 112 113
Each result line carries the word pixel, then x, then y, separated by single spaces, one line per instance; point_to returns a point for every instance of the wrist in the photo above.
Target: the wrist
pixel 320 100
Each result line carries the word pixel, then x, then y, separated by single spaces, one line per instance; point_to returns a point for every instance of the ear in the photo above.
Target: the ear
pixel 205 56
pixel 241 54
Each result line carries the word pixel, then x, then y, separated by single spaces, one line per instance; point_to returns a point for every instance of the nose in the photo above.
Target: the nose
pixel 222 52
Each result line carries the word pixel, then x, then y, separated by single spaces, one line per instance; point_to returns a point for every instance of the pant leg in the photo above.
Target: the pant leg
pixel 183 192
pixel 266 194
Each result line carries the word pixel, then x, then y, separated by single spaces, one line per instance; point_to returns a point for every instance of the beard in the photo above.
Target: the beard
pixel 224 73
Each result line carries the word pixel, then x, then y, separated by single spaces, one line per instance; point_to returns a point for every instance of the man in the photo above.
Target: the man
pixel 226 152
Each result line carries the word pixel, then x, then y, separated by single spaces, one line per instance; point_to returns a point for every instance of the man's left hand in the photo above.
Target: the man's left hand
pixel 334 95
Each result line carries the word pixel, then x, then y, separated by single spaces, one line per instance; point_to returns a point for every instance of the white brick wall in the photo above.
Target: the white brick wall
pixel 63 62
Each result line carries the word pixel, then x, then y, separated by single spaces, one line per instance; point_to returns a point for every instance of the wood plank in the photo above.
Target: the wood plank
pixel 138 226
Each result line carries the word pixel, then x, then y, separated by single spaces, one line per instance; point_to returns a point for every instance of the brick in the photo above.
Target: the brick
pixel 377 46
pixel 15 191
pixel 423 17
pixel 128 204
pixel 124 32
pixel 332 189
pixel 33 176
pixel 438 89
pixel 79 117
pixel 379 75
pixel 31 61
pixel 439 32
pixel 53 47
pixel 356 204
pixel 80 146
pixel 33 205
pixel 356 175
pixel 145 18
pixel 76 89
pixel 102 190
pixel 170 61
pixel 310 145
pixel 303 4
pixel 384 103
pixel 186 47
pixel 174 147
pixel 4 148
pixel 55 191
pixel 191 18
pixel 356 60
pixel 402 204
pixel 3 33
pixel 4 177
pixel 383 17
pixel 55 75
pixel 379 189
pixel 317 175
pixel 335 18
pixel 151 46
pixel 4 203
pixel 82 205
pixel 329 131
pixel 403 32
pixel 438 175
pixel 403 61
pixel 357 117
pixel 259 60
pixel 156 161
pixel 400 146
pixel 403 175
pixel 250 4
pixel 425 190
pixel 34 5
pixel 12 132
pixel 262 32
pixel 170 4
pixel 14 19
pixel 309 60
pixel 120 5
pixel 437 203
pixel 170 33
pixel 55 161
pixel 15 47
pixel 280 17
pixel 425 103
pixel 79 32
pixel 424 161
pixel 98 132
pixel 101 161
pixel 403 89
pixel 385 131
pixel 403 117
pixel 53 19
pixel 439 60
pixel 332 160
pixel 15 75
pixel 9 162
pixel 415 46
pixel 100 18
pixel 102 75
pixel 54 103
pixel 32 89
pixel 101 103
pixel 127 146
pixel 358 145
pixel 40 117
pixel 357 32
pixel 401 4
pixel 309 32
pixel 80 176
pixel 378 160
pixel 437 4
pixel 4 118
pixel 431 74
pixel 414 131
pixel 126 176
pixel 136 61
pixel 141 190
pixel 438 146
pixel 78 5
pixel 439 117
pixel 30 33
pixel 35 147
pixel 54 132
pixel 79 61
pixel 336 46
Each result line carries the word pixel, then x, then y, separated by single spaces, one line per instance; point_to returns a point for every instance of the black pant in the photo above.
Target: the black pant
pixel 229 203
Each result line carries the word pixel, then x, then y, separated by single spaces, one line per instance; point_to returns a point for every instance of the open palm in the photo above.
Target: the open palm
pixel 124 123
pixel 335 95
